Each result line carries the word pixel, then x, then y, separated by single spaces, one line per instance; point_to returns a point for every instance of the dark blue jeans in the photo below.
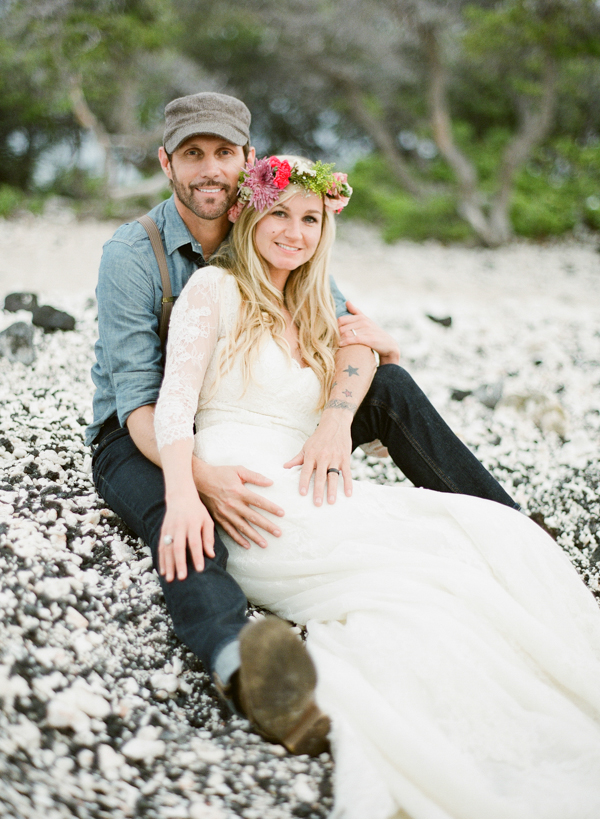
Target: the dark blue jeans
pixel 208 608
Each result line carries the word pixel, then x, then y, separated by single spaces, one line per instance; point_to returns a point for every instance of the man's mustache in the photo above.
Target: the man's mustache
pixel 211 183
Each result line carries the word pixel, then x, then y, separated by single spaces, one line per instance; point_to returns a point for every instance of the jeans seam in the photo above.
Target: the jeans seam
pixel 375 403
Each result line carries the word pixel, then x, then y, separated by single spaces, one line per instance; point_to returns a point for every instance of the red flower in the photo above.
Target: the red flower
pixel 282 177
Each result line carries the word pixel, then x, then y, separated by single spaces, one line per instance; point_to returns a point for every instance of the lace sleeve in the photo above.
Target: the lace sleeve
pixel 193 333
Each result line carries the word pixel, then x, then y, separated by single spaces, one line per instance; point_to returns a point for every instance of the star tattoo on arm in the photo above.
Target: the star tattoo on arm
pixel 351 370
pixel 347 393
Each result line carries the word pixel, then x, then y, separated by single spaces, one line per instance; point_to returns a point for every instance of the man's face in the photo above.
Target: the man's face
pixel 204 171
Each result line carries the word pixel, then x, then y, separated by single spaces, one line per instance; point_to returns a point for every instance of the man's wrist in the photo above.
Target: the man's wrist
pixel 200 471
pixel 392 357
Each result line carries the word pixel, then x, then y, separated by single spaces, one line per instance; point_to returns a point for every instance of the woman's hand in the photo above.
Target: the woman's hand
pixel 329 445
pixel 187 525
pixel 360 329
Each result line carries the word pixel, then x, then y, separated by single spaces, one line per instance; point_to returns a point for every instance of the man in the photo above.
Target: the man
pixel 263 668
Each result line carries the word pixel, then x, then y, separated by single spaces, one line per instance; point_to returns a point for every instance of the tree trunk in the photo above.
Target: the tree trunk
pixel 87 119
pixel 534 127
pixel 470 204
pixel 375 128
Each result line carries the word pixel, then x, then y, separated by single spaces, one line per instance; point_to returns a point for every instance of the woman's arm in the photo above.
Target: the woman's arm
pixel 193 334
pixel 331 443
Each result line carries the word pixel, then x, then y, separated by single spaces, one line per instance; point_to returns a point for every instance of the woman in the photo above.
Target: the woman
pixel 458 652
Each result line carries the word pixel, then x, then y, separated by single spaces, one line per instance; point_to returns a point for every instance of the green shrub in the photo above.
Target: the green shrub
pixel 558 190
pixel 399 215
pixel 11 199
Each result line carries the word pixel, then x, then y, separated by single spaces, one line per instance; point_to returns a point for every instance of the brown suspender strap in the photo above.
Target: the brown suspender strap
pixel 159 251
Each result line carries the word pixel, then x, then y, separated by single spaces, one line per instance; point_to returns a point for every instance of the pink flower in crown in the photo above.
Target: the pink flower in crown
pixel 234 212
pixel 339 194
pixel 263 190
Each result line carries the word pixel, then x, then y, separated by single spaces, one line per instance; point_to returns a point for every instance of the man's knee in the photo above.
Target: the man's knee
pixel 392 382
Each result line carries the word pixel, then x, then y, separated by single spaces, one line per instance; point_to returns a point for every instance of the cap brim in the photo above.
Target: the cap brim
pixel 209 128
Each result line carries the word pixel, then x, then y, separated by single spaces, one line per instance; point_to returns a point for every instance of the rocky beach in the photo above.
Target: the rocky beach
pixel 104 713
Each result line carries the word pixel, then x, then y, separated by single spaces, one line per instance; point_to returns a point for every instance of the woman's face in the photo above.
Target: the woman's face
pixel 288 235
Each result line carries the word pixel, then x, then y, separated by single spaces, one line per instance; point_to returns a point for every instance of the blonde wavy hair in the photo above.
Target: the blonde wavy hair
pixel 307 296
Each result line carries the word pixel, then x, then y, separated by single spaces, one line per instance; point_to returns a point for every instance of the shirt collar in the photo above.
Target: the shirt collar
pixel 176 232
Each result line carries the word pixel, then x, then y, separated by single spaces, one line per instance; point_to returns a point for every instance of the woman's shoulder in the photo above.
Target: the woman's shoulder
pixel 211 282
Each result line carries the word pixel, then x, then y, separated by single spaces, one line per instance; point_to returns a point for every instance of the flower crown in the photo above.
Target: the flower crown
pixel 260 184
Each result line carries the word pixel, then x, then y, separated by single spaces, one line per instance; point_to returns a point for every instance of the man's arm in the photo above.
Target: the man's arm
pixel 356 328
pixel 331 443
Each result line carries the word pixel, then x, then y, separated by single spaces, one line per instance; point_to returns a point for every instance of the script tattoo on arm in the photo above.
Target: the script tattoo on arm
pixel 336 403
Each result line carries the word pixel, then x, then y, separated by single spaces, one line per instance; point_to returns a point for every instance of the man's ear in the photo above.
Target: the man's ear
pixel 164 162
pixel 251 155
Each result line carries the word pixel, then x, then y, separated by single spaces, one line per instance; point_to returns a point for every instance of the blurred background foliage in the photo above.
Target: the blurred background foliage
pixel 460 121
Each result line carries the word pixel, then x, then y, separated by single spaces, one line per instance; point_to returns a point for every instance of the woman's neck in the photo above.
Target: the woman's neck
pixel 279 278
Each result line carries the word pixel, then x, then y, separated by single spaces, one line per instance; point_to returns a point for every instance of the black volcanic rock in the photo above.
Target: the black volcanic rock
pixel 16 343
pixel 446 321
pixel 20 301
pixel 51 319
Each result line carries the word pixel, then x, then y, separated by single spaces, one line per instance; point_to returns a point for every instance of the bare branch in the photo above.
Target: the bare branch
pixel 534 127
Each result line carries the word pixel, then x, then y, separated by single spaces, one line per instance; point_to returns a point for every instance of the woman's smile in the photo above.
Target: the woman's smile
pixel 289 234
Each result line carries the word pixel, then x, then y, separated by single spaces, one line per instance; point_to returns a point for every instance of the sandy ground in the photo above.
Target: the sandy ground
pixel 62 255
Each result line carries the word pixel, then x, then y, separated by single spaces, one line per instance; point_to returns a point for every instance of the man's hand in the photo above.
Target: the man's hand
pixel 187 525
pixel 329 446
pixel 224 493
pixel 360 329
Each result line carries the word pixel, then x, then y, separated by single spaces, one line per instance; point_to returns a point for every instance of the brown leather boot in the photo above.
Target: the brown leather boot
pixel 275 688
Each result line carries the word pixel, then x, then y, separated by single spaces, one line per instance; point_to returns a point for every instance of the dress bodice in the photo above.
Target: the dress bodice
pixel 281 393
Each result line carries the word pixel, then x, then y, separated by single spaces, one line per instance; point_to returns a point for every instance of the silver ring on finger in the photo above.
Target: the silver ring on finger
pixel 333 469
pixel 167 540
pixel 354 331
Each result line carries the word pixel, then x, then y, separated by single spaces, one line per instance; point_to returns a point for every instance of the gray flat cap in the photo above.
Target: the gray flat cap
pixel 206 113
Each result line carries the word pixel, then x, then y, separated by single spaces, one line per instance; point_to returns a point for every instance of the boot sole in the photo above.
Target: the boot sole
pixel 277 682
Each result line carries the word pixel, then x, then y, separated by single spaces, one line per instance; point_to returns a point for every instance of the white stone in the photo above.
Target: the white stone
pixel 75 619
pixel 26 734
pixel 145 744
pixel 45 686
pixel 62 713
pixel 73 707
pixel 303 789
pixel 121 551
pixel 146 749
pixel 91 703
pixel 216 782
pixel 82 646
pixel 207 751
pixel 51 657
pixel 109 761
pixel 164 682
pixel 54 588
pixel 200 810
pixel 85 758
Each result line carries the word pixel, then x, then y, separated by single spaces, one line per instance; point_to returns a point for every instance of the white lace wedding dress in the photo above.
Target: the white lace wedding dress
pixel 458 653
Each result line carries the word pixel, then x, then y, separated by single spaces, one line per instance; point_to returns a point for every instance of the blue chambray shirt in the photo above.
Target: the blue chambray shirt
pixel 129 363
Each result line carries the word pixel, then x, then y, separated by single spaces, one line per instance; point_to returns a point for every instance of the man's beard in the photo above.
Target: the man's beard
pixel 208 209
